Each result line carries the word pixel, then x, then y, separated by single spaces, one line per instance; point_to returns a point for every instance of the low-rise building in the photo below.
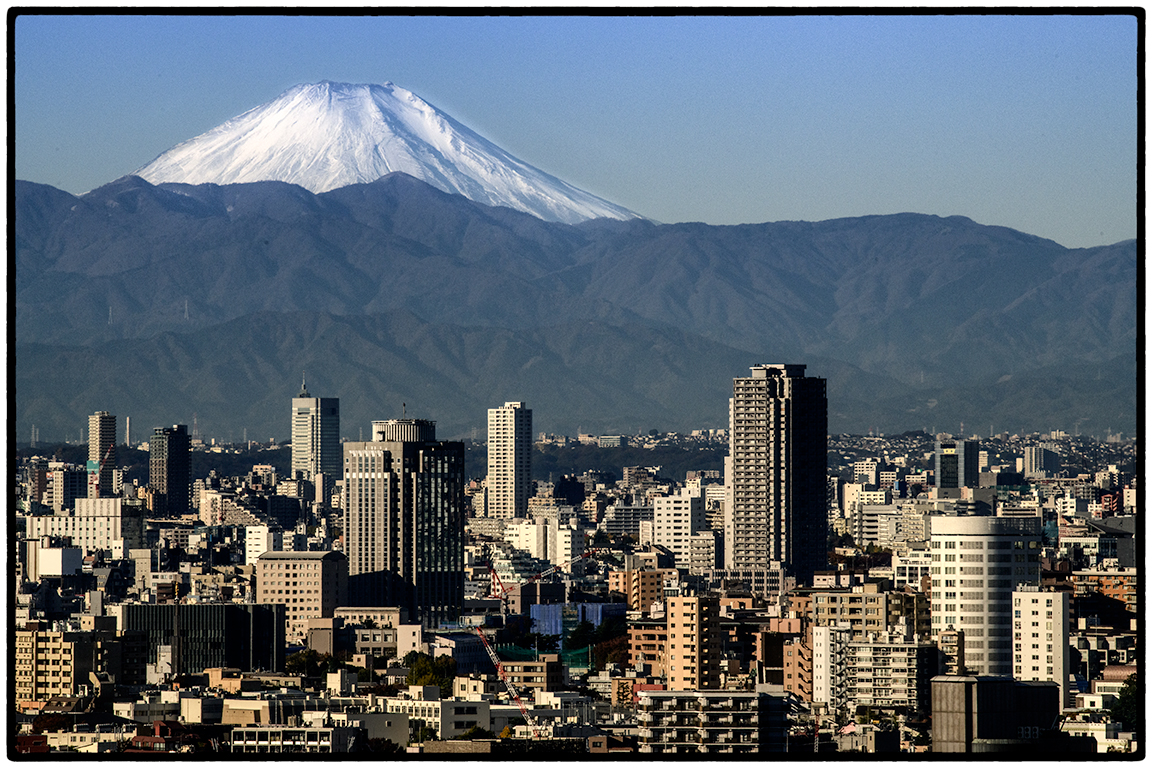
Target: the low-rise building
pixel 710 722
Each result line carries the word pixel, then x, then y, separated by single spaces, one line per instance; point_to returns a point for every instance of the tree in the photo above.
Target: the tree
pixel 426 670
pixel 613 650
pixel 475 732
pixel 1128 707
pixel 581 636
pixel 311 663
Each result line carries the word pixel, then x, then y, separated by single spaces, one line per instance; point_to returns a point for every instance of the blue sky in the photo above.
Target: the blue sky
pixel 1022 121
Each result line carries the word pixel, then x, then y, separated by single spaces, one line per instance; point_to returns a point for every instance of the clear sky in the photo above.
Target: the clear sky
pixel 1024 121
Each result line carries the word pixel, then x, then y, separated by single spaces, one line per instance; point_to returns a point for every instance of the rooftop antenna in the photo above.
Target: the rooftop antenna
pixel 404 409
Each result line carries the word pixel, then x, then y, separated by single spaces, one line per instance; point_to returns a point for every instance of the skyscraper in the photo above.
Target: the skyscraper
pixel 101 454
pixel 957 464
pixel 404 520
pixel 169 470
pixel 509 460
pixel 776 483
pixel 315 435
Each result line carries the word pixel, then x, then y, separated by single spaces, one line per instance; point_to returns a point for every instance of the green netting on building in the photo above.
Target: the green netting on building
pixel 574 658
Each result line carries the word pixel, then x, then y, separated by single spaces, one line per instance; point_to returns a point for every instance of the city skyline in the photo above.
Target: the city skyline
pixel 981 116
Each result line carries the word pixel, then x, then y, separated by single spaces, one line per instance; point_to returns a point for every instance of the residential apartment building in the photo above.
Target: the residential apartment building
pixel 509 460
pixel 776 472
pixel 648 645
pixel 977 563
pixel 710 722
pixel 640 588
pixel 1040 638
pixel 675 520
pixel 693 643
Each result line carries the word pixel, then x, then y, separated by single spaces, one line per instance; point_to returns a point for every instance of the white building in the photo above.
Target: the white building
pixel 910 567
pixel 509 460
pixel 1040 638
pixel 675 520
pixel 977 563
pixel 259 539
pixel 829 673
pixel 316 435
pixel 96 525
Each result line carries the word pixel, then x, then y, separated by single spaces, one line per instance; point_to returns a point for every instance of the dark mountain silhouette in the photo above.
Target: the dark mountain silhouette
pixel 395 290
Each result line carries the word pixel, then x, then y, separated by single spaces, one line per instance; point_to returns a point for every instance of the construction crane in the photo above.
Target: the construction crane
pixel 508 684
pixel 100 467
pixel 499 590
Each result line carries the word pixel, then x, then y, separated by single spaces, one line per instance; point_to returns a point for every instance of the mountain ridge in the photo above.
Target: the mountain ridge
pixel 922 303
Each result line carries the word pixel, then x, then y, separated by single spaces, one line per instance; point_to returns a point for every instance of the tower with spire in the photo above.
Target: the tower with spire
pixel 315 434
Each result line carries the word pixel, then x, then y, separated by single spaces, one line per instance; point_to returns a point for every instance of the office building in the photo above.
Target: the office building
pixel 169 470
pixel 509 460
pixel 310 585
pixel 974 714
pixel 249 637
pixel 1040 638
pixel 977 563
pixel 101 454
pixel 957 464
pixel 775 473
pixel 315 435
pixel 404 520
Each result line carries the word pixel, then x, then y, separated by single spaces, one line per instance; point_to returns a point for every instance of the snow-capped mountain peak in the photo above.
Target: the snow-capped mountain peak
pixel 327 135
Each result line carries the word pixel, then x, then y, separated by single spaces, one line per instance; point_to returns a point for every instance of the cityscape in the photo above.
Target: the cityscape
pixel 815 595
pixel 581 387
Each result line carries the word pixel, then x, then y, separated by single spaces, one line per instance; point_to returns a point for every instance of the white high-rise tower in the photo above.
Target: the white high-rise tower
pixel 509 460
pixel 316 435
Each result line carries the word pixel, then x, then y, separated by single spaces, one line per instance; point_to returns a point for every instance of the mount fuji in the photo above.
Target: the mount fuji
pixel 326 135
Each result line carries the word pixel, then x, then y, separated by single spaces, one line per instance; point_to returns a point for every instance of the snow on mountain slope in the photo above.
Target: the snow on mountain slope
pixel 328 135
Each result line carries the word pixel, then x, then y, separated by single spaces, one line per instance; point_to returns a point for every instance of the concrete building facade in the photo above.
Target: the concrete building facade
pixel 977 563
pixel 509 460
pixel 776 472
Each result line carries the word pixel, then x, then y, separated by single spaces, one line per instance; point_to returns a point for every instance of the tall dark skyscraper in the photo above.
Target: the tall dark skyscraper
pixel 776 485
pixel 169 469
pixel 957 464
pixel 404 520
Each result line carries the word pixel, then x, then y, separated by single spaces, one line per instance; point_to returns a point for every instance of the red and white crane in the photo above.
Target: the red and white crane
pixel 499 590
